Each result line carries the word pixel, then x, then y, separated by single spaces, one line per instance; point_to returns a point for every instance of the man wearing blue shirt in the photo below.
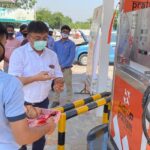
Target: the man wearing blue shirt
pixel 65 50
pixel 51 40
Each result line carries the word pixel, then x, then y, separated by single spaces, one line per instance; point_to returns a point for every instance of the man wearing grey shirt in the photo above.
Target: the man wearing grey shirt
pixel 36 66
pixel 12 113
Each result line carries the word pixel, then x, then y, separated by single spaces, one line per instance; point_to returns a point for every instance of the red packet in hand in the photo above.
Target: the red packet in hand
pixel 43 117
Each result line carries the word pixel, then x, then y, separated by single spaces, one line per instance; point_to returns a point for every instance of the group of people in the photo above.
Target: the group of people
pixel 34 66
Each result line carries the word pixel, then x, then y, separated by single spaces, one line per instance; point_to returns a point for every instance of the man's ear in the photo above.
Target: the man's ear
pixel 28 37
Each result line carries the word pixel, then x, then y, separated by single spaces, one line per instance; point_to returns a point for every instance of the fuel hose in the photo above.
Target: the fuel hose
pixel 146 113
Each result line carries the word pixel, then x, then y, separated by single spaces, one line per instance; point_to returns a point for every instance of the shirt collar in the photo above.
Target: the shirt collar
pixel 29 47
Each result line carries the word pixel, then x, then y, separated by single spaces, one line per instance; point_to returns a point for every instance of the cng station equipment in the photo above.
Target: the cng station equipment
pixel 130 112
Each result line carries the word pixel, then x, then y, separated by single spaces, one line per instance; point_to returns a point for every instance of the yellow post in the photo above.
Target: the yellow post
pixel 61 132
pixel 106 113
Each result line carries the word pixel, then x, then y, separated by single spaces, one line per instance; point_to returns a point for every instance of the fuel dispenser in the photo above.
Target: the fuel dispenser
pixel 130 112
pixel 129 123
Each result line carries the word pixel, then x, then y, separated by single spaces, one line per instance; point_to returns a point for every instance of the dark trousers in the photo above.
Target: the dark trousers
pixel 39 144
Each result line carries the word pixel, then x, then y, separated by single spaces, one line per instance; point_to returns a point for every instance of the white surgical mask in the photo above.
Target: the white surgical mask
pixel 64 35
pixel 40 45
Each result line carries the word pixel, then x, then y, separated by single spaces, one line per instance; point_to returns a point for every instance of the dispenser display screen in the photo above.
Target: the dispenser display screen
pixel 134 38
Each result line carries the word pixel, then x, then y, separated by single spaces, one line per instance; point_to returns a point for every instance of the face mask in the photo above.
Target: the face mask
pixel 2 52
pixel 40 45
pixel 24 34
pixel 10 34
pixel 64 36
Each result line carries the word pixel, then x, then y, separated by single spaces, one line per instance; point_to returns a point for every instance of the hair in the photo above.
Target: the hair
pixel 66 27
pixel 3 31
pixel 37 27
pixel 23 26
pixel 10 26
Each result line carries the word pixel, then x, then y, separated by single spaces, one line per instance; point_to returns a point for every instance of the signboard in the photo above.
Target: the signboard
pixel 12 1
pixel 132 5
pixel 126 112
pixel 93 51
pixel 16 15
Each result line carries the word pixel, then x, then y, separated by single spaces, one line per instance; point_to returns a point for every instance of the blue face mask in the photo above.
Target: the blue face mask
pixel 40 45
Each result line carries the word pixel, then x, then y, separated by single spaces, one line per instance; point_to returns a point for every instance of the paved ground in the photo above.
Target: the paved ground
pixel 78 127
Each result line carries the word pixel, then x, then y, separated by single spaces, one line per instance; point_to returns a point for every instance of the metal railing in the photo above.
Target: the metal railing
pixel 78 111
pixel 81 102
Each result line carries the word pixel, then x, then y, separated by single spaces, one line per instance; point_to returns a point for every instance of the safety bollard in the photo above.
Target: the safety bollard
pixel 75 112
pixel 81 102
pixel 106 113
pixel 61 131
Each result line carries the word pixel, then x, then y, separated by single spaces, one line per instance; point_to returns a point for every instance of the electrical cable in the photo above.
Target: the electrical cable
pixel 146 114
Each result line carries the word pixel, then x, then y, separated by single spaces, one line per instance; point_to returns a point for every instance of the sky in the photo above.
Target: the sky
pixel 77 10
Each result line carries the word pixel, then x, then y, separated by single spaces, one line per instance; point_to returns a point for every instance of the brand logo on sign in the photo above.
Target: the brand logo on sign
pixel 140 5
pixel 132 5
pixel 126 97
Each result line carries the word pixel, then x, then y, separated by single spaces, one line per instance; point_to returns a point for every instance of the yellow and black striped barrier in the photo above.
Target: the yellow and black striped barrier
pixel 75 112
pixel 106 113
pixel 81 102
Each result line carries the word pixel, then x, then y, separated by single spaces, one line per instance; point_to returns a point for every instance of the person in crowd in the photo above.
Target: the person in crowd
pixel 24 33
pixel 36 66
pixel 11 44
pixel 25 41
pixel 50 43
pixel 50 31
pixel 65 50
pixel 14 127
pixel 50 39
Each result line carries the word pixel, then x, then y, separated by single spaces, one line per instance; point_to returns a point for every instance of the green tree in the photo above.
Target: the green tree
pixel 44 15
pixel 116 20
pixel 25 4
pixel 83 25
pixel 57 19
pixel 67 20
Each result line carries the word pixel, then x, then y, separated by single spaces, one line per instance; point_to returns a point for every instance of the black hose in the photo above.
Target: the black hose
pixel 144 117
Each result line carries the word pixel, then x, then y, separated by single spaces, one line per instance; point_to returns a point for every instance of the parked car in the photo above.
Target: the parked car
pixel 82 49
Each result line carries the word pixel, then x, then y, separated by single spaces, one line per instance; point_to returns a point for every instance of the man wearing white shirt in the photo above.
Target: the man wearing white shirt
pixel 36 66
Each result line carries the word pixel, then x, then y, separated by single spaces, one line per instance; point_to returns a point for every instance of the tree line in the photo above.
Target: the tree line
pixel 57 19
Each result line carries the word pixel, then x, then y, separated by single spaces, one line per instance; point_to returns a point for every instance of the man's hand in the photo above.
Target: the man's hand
pixel 32 112
pixel 52 125
pixel 43 76
pixel 58 85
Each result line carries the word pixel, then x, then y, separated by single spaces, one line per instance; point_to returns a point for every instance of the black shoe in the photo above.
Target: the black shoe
pixel 23 147
pixel 55 104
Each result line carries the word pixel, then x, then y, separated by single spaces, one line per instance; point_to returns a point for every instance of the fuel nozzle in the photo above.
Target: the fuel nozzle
pixel 148 112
